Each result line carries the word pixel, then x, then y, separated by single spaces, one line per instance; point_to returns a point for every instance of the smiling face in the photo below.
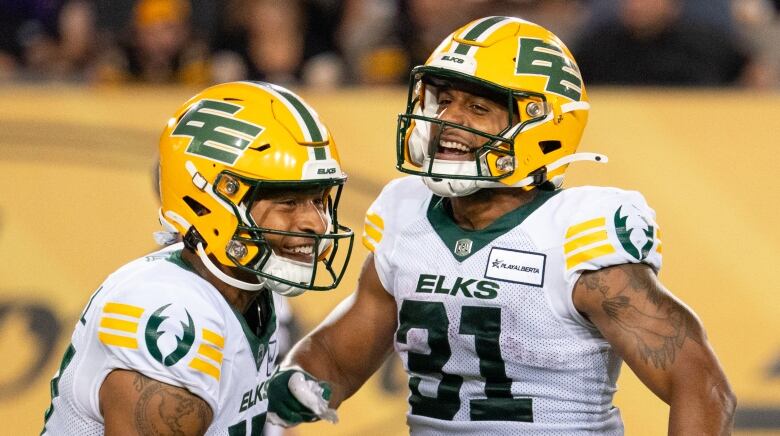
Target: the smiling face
pixel 288 210
pixel 467 109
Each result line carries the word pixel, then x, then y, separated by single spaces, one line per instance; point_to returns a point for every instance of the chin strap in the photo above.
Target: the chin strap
pixel 460 187
pixel 240 284
pixel 169 234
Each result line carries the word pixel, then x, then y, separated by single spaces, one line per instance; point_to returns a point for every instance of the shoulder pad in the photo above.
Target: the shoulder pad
pixel 609 227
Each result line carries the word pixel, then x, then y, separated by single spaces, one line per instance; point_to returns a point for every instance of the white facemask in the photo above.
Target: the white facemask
pixel 451 187
pixel 291 270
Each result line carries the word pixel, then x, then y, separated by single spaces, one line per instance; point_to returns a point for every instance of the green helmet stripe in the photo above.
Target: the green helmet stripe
pixel 478 32
pixel 306 115
pixel 307 119
pixel 319 153
pixel 479 28
pixel 462 49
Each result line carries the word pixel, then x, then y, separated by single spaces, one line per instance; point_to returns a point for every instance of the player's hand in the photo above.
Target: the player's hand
pixel 295 396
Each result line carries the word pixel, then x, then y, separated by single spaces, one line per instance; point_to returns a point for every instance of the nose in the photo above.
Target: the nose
pixel 454 113
pixel 310 218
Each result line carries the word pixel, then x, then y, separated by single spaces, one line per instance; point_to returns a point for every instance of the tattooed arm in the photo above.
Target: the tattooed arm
pixel 663 342
pixel 135 405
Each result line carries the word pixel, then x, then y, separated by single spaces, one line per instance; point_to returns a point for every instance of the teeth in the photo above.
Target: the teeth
pixel 454 145
pixel 303 249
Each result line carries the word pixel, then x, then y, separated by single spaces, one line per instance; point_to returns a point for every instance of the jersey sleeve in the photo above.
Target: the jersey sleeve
pixel 166 332
pixel 612 227
pixel 378 234
pixel 400 200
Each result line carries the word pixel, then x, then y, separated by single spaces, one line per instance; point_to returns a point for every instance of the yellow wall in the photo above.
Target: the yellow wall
pixel 77 201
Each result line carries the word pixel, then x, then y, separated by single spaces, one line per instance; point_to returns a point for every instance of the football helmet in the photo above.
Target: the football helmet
pixel 520 65
pixel 218 154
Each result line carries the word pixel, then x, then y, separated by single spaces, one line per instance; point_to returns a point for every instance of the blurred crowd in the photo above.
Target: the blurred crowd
pixel 330 43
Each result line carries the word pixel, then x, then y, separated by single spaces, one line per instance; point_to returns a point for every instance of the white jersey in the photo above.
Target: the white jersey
pixel 487 329
pixel 157 317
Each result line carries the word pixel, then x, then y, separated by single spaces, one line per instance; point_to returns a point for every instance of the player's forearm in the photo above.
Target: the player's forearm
pixel 314 356
pixel 704 409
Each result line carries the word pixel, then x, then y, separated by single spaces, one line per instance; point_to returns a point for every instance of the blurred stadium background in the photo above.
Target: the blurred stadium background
pixel 86 86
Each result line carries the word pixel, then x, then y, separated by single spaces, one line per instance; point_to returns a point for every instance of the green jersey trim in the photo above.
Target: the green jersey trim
pixel 176 259
pixel 55 383
pixel 268 329
pixel 452 234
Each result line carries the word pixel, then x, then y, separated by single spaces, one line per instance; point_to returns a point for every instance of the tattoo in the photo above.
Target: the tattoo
pixel 165 409
pixel 634 301
pixel 140 382
pixel 593 282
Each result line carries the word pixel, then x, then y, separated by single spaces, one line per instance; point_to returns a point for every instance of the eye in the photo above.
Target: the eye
pixel 480 109
pixel 288 202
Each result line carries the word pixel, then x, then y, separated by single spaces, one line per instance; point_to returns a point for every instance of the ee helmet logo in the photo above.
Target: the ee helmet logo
pixel 216 133
pixel 538 58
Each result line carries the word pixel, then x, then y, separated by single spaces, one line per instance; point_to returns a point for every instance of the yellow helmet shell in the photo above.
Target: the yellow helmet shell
pixel 226 139
pixel 514 57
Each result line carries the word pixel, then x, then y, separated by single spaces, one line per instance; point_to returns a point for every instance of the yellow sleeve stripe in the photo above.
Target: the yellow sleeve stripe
pixel 214 338
pixel 587 225
pixel 584 256
pixel 375 219
pixel 123 309
pixel 658 248
pixel 211 353
pixel 119 324
pixel 205 367
pixel 369 244
pixel 372 232
pixel 584 240
pixel 118 341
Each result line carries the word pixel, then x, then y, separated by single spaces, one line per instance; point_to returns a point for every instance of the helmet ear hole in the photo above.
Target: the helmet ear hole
pixel 549 146
pixel 197 207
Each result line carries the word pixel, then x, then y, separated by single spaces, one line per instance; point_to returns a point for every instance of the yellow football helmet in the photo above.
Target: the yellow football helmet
pixel 219 152
pixel 519 64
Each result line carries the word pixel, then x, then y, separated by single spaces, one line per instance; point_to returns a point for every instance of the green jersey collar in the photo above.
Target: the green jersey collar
pixel 463 243
pixel 258 341
pixel 176 259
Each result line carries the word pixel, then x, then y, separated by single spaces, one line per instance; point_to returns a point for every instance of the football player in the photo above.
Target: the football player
pixel 182 340
pixel 512 302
